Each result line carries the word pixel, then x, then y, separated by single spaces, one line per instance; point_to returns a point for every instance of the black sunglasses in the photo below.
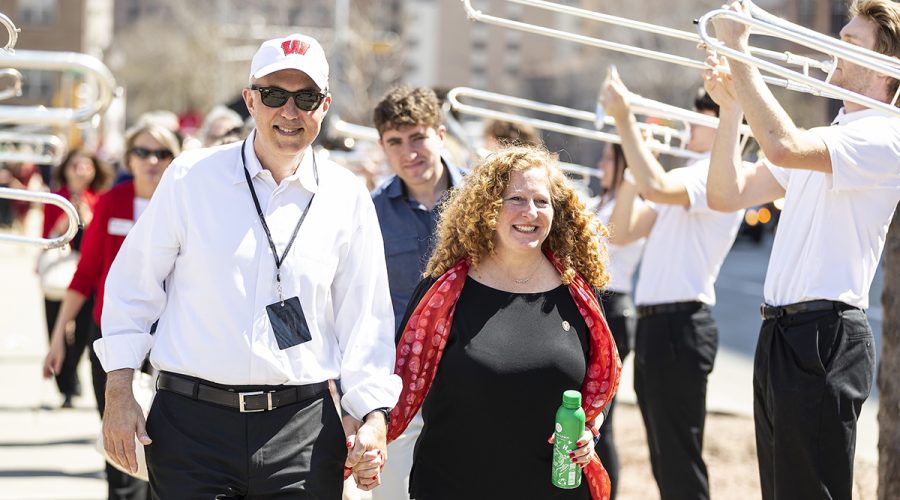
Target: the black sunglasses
pixel 274 97
pixel 159 154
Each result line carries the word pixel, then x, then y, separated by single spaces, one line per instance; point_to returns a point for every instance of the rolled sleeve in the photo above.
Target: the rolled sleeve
pixel 365 319
pixel 135 295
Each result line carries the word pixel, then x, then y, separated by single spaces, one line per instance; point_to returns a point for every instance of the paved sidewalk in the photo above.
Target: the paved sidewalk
pixel 48 453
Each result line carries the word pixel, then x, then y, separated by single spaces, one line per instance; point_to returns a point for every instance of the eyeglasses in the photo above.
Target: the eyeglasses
pixel 274 97
pixel 159 154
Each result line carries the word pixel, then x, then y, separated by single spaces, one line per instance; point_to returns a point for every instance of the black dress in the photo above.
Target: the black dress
pixel 492 405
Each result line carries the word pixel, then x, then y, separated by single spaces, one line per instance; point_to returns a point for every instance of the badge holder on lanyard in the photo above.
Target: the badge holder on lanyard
pixel 286 316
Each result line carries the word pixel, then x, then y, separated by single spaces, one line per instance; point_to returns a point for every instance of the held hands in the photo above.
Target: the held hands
pixel 368 452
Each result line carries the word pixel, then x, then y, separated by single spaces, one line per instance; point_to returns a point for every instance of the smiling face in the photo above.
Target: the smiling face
pixel 283 133
pixel 414 153
pixel 526 212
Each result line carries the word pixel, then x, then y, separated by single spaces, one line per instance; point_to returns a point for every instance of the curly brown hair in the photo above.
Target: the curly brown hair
pixel 469 218
pixel 407 106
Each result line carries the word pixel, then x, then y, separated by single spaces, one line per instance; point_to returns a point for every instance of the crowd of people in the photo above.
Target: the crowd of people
pixel 447 310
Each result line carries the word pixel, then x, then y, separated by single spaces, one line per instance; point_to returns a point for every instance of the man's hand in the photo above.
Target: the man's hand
pixel 717 81
pixel 733 34
pixel 368 451
pixel 614 96
pixel 123 419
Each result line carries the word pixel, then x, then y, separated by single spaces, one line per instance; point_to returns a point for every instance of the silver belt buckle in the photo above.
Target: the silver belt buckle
pixel 241 403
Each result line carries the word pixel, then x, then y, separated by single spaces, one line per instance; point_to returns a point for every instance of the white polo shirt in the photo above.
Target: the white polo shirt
pixel 201 235
pixel 686 246
pixel 623 259
pixel 833 226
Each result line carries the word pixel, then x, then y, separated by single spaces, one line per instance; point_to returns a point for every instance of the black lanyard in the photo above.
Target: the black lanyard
pixel 262 219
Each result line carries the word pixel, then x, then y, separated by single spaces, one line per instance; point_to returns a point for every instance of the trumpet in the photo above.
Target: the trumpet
pixel 83 64
pixel 52 199
pixel 784 57
pixel 664 136
pixel 764 23
pixel 31 148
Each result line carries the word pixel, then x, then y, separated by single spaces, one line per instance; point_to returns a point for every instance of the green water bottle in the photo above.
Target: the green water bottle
pixel 569 429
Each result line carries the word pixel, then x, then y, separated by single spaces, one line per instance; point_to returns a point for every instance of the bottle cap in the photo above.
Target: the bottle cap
pixel 572 399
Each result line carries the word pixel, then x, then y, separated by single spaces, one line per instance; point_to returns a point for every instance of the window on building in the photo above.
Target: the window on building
pixel 37 12
pixel 38 85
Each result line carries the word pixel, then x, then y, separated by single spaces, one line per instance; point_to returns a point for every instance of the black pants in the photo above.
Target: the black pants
pixel 674 353
pixel 67 378
pixel 811 374
pixel 120 486
pixel 620 317
pixel 202 450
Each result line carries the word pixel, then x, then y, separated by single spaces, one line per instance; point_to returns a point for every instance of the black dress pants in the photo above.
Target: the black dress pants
pixel 674 353
pixel 67 378
pixel 120 486
pixel 203 450
pixel 620 317
pixel 811 374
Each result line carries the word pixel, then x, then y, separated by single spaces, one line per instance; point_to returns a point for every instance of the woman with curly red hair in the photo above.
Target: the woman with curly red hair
pixel 506 319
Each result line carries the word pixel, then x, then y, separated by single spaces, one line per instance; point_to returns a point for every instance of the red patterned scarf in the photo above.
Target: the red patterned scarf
pixel 425 336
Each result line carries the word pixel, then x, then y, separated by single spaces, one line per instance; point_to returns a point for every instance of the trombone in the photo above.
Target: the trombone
pixel 664 135
pixel 90 67
pixel 767 24
pixel 12 31
pixel 31 148
pixel 784 57
pixel 52 199
pixel 15 89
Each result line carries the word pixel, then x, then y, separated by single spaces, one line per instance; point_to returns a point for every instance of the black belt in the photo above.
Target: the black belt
pixel 775 312
pixel 245 402
pixel 671 307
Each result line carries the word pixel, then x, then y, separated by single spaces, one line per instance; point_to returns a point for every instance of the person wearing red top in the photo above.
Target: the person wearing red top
pixel 81 176
pixel 149 149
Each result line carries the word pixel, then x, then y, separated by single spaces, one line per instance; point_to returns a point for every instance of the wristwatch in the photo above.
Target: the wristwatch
pixel 384 411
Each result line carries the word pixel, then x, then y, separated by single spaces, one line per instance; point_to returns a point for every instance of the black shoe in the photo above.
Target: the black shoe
pixel 67 403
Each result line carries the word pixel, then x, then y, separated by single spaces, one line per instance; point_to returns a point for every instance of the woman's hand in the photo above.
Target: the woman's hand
pixel 56 354
pixel 584 451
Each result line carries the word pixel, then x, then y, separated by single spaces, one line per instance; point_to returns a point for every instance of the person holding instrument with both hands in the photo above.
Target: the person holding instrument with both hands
pixel 266 270
pixel 815 357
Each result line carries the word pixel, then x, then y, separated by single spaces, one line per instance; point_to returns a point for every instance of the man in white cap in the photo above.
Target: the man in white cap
pixel 265 267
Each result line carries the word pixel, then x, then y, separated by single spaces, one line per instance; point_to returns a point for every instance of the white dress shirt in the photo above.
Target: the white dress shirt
pixel 833 227
pixel 623 259
pixel 201 235
pixel 686 246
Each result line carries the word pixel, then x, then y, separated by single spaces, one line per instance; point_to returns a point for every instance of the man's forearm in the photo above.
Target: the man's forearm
pixel 724 183
pixel 649 175
pixel 623 211
pixel 118 382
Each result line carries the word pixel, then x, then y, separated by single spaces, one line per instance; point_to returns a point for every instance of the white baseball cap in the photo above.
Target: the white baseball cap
pixel 295 51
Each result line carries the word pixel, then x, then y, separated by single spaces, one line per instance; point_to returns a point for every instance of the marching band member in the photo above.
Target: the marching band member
pixel 815 358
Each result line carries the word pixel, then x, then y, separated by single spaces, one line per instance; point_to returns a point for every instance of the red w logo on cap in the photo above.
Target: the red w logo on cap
pixel 294 47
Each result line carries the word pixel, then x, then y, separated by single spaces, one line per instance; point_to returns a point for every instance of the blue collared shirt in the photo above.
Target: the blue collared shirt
pixel 408 231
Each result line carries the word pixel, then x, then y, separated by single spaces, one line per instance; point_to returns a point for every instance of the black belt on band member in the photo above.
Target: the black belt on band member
pixel 244 402
pixel 775 312
pixel 671 307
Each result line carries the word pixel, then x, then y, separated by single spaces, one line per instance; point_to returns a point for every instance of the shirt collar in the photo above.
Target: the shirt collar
pixel 843 118
pixel 304 173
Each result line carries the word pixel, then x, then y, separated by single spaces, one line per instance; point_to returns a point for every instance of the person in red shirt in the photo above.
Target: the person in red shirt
pixel 149 149
pixel 81 177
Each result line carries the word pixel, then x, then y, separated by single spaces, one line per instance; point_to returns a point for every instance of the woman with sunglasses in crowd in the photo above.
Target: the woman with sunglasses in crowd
pixel 149 149
pixel 81 177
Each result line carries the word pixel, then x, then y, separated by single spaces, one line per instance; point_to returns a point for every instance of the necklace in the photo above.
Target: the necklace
pixel 534 270
pixel 523 280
